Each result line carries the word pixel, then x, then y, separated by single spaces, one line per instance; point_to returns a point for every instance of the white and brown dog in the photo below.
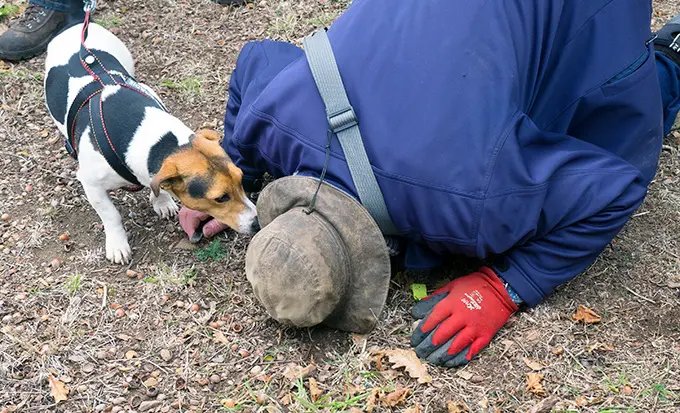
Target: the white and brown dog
pixel 122 135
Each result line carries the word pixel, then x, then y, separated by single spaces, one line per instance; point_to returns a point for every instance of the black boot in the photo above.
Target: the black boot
pixel 29 35
pixel 668 39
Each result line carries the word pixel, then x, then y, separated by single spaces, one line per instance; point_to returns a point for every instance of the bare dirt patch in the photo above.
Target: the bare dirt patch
pixel 181 331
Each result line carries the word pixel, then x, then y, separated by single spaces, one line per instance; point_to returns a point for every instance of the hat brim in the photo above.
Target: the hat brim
pixel 369 259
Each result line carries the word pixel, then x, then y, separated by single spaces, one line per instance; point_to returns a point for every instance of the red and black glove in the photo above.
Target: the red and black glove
pixel 461 318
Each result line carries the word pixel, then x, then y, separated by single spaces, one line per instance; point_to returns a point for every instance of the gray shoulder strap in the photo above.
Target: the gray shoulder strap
pixel 343 122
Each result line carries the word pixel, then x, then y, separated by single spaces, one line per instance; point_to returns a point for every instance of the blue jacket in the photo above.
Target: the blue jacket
pixel 525 132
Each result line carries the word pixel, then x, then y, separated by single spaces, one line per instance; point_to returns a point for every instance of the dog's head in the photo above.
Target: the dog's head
pixel 204 178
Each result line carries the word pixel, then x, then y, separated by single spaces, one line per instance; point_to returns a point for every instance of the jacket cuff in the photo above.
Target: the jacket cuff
pixel 516 278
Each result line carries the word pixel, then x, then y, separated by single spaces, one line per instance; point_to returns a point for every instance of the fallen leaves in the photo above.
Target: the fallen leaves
pixel 58 390
pixel 406 359
pixel 532 364
pixel 534 384
pixel 220 338
pixel 294 371
pixel 374 399
pixel 457 407
pixel 314 391
pixel 586 315
pixel 396 397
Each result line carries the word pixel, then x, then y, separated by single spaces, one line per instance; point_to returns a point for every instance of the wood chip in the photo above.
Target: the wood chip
pixel 544 406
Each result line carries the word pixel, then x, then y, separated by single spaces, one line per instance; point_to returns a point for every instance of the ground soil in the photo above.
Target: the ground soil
pixel 60 300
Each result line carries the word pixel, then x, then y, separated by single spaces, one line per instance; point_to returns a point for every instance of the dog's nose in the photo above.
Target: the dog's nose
pixel 255 226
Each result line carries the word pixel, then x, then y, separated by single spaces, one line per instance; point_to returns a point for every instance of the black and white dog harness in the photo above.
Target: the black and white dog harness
pixel 88 102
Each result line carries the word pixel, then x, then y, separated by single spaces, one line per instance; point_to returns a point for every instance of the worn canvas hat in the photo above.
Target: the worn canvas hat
pixel 329 266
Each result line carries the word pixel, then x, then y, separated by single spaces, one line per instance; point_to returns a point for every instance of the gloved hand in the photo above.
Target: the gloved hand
pixel 199 224
pixel 461 318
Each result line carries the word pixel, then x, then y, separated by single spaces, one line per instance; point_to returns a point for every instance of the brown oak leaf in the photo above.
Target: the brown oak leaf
pixel 374 400
pixel 586 315
pixel 410 362
pixel 534 384
pixel 396 397
pixel 58 390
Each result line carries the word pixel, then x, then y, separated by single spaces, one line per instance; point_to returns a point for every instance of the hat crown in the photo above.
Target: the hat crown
pixel 299 268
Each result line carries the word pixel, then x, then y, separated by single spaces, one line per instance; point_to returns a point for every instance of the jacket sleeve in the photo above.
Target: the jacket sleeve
pixel 582 210
pixel 258 63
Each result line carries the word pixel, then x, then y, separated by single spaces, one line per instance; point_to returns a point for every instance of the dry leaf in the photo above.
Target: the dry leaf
pixel 411 363
pixel 558 351
pixel 373 400
pixel 219 337
pixel 130 354
pixel 586 315
pixel 627 390
pixel 532 364
pixel 359 341
pixel 151 382
pixel 355 410
pixel 314 391
pixel 294 371
pixel 484 403
pixel 544 406
pixel 599 347
pixel 287 399
pixel 396 397
pixel 534 384
pixel 583 401
pixel 57 390
pixel 465 375
pixel 457 407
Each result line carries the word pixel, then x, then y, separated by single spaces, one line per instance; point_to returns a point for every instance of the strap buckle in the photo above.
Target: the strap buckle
pixel 89 5
pixel 675 46
pixel 342 119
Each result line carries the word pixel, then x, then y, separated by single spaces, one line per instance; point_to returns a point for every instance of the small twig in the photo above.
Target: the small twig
pixel 104 296
pixel 640 214
pixel 573 357
pixel 639 296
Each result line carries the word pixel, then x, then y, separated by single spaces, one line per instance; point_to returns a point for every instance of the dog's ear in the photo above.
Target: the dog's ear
pixel 207 142
pixel 165 176
pixel 208 134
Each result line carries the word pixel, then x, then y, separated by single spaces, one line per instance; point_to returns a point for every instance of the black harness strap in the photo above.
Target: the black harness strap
pixel 91 96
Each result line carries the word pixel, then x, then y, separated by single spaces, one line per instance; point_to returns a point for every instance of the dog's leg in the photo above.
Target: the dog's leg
pixel 163 204
pixel 117 247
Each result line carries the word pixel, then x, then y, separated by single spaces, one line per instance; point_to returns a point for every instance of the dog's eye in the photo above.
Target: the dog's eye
pixel 223 198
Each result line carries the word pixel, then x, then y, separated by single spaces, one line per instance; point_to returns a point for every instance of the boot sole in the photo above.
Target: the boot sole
pixel 26 54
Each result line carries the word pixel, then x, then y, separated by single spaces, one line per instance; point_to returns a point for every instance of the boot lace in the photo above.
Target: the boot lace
pixel 31 14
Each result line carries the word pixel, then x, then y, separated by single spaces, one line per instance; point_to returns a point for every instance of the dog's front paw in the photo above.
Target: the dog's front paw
pixel 164 205
pixel 117 249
